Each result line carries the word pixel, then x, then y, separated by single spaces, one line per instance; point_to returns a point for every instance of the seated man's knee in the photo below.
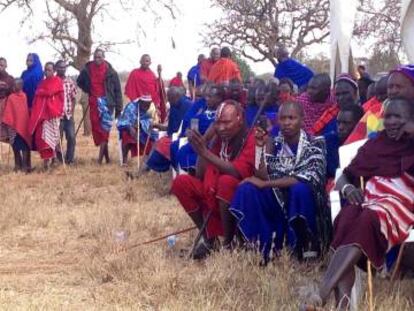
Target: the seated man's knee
pixel 180 183
pixel 226 187
pixel 228 182
pixel 300 188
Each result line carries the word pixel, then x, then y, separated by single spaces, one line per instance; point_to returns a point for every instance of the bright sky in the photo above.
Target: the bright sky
pixel 122 26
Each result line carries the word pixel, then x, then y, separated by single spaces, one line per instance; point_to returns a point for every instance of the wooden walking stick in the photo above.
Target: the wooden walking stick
pixel 200 233
pixel 369 266
pixel 138 142
pixel 397 264
pixel 163 95
pixel 8 155
pixel 194 88
pixel 82 120
pixel 61 151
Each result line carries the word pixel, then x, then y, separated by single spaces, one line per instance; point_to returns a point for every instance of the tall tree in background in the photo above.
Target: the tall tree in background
pixel 254 27
pixel 245 69
pixel 378 26
pixel 70 24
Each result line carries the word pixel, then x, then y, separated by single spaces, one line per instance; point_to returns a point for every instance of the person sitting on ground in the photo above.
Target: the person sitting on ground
pixel 101 82
pixel 204 111
pixel 379 95
pixel 286 91
pixel 16 120
pixel 177 81
pixel 346 89
pixel 225 69
pixel 285 197
pixel 346 120
pixel 400 83
pixel 67 123
pixel 128 127
pixel 207 196
pixel 207 64
pixel 346 93
pixel 364 230
pixel 235 91
pixel 316 99
pixel 370 92
pixel 287 67
pixel 251 91
pixel 46 113
pixel 160 157
pixel 264 97
pixel 364 81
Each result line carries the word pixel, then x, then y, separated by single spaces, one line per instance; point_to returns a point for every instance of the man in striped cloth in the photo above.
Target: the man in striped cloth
pixel 67 124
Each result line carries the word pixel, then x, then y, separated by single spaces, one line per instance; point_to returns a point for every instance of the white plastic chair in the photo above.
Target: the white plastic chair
pixel 346 154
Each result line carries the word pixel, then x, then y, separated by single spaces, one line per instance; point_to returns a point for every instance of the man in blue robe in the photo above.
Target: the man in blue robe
pixel 193 76
pixel 204 110
pixel 160 158
pixel 290 68
pixel 285 197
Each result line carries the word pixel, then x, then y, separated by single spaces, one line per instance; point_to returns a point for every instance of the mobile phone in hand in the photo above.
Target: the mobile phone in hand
pixel 262 123
pixel 194 125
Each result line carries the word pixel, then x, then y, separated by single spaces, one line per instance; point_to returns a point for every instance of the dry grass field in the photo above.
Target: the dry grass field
pixel 57 249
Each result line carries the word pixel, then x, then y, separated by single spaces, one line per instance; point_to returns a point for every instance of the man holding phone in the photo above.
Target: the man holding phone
pixel 285 197
pixel 223 161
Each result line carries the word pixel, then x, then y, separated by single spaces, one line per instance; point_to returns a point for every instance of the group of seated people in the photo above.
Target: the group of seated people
pixel 257 173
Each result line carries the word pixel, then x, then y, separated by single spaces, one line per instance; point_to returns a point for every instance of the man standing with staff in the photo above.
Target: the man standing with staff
pixel 143 81
pixel 101 82
pixel 67 124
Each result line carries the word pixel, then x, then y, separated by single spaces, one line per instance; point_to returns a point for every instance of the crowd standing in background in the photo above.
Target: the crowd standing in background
pixel 254 159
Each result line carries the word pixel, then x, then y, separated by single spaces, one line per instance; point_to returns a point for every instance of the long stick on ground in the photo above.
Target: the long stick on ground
pixel 397 264
pixel 200 233
pixel 369 266
pixel 162 237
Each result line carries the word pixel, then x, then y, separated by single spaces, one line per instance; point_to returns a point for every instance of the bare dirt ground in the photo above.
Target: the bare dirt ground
pixel 58 250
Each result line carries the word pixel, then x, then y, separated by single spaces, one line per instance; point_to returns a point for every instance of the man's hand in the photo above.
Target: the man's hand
pixel 197 142
pixel 259 183
pixel 261 136
pixel 406 129
pixel 261 172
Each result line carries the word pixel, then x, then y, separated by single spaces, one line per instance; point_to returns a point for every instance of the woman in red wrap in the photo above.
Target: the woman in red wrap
pixel 381 215
pixel 47 110
pixel 16 121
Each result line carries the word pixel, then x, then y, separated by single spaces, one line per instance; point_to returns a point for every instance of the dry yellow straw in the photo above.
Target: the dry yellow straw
pixel 369 270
